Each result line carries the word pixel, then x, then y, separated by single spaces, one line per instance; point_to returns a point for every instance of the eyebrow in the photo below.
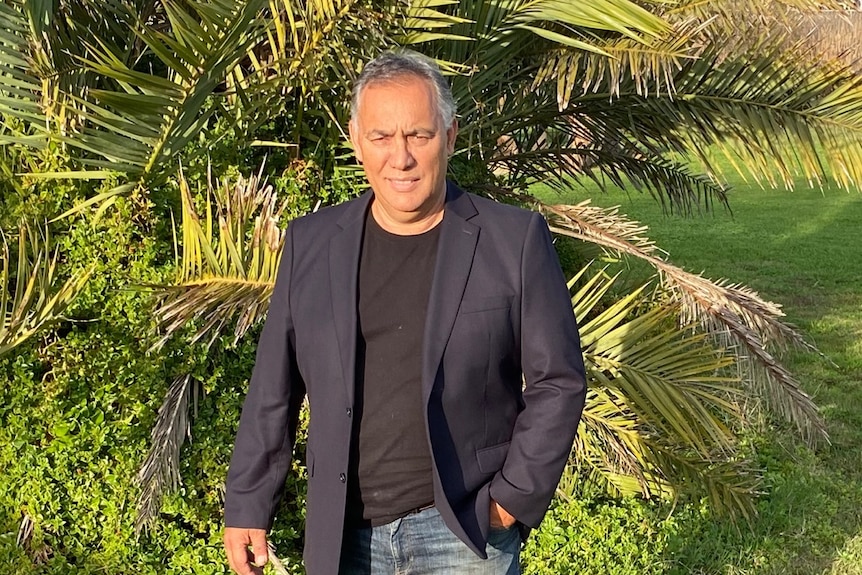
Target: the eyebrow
pixel 416 132
pixel 422 132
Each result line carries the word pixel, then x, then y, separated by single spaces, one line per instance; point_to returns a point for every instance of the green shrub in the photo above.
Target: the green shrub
pixel 80 401
pixel 599 537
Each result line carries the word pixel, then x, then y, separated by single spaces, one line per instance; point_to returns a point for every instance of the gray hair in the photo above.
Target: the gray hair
pixel 397 64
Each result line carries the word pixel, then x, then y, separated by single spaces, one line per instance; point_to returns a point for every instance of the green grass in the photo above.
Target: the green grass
pixel 801 249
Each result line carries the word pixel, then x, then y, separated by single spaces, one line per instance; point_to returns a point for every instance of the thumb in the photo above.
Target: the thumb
pixel 259 547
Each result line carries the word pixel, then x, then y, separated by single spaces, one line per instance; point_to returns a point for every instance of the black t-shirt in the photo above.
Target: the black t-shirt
pixel 390 463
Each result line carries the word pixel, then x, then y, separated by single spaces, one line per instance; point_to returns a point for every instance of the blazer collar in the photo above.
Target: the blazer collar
pixel 457 244
pixel 455 250
pixel 344 252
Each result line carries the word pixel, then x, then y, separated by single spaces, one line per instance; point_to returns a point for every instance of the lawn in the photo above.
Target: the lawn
pixel 802 249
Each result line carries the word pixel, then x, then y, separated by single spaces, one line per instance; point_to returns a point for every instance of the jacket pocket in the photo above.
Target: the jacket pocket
pixel 491 459
pixel 488 303
pixel 309 461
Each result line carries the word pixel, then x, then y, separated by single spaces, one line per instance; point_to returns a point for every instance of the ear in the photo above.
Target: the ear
pixel 451 134
pixel 353 130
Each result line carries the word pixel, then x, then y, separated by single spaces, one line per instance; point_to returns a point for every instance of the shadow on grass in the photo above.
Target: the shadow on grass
pixel 810 519
pixel 800 249
pixel 810 514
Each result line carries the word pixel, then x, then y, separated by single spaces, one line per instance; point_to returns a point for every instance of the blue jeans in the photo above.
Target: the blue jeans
pixel 421 544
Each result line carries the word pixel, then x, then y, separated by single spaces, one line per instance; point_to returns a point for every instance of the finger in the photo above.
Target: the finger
pixel 495 515
pixel 258 547
pixel 237 560
pixel 237 554
pixel 500 518
pixel 252 568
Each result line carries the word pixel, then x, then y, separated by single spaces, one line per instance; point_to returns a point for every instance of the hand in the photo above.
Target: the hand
pixel 242 560
pixel 500 518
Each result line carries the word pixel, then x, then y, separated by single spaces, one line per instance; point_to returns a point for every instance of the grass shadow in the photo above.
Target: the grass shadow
pixel 799 249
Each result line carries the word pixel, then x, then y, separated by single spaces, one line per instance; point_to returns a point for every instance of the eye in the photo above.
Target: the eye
pixel 380 140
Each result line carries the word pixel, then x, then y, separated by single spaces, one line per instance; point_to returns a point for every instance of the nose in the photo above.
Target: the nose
pixel 401 157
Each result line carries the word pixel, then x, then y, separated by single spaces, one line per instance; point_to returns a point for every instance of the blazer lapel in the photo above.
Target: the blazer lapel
pixel 455 251
pixel 344 252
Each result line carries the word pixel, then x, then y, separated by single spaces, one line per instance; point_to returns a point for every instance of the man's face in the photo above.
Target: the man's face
pixel 400 139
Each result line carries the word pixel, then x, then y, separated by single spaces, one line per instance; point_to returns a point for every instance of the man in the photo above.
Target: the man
pixel 409 316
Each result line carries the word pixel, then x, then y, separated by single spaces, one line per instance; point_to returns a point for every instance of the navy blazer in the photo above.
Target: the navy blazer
pixel 498 310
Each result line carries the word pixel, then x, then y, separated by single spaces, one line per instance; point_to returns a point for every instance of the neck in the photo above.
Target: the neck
pixel 410 224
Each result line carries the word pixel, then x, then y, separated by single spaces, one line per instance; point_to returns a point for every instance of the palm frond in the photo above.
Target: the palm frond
pixel 20 87
pixel 620 17
pixel 732 314
pixel 160 472
pixel 652 67
pixel 523 161
pixel 36 301
pixel 730 485
pixel 775 112
pixel 202 47
pixel 668 380
pixel 422 21
pixel 610 449
pixel 780 111
pixel 655 387
pixel 40 48
pixel 304 64
pixel 510 37
pixel 229 260
pixel 138 127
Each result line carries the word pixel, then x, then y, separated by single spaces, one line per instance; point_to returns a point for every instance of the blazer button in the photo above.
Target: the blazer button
pixel 342 478
pixel 349 412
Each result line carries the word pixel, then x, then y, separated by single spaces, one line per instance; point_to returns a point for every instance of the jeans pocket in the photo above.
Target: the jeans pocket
pixel 501 537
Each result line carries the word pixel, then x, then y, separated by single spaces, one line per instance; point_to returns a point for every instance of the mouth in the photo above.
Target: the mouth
pixel 403 184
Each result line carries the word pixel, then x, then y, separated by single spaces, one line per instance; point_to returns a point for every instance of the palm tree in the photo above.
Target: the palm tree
pixel 548 90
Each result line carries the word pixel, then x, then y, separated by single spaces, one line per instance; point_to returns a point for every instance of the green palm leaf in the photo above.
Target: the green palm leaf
pixel 20 87
pixel 229 261
pixel 627 108
pixel 203 46
pixel 31 295
pixel 658 392
pixel 40 48
pixel 138 126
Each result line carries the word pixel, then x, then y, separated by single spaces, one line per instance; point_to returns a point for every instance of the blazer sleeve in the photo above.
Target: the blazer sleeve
pixel 555 384
pixel 267 427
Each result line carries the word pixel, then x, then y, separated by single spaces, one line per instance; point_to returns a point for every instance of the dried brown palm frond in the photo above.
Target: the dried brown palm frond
pixel 160 471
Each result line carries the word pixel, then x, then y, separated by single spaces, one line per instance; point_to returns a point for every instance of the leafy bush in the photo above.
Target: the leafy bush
pixel 76 413
pixel 596 536
pixel 80 402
